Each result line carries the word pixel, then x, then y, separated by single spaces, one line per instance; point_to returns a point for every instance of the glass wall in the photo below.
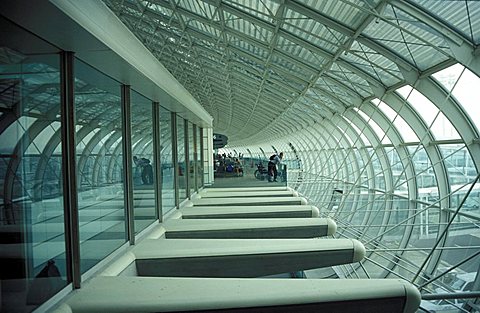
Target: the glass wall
pixel 199 159
pixel 182 182
pixel 143 166
pixel 99 164
pixel 400 174
pixel 31 207
pixel 166 144
pixel 191 158
pixel 32 213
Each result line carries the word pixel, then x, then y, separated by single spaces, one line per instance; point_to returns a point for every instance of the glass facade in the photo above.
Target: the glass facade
pixel 398 173
pixel 143 161
pixel 379 122
pixel 199 158
pixel 166 145
pixel 99 165
pixel 34 254
pixel 32 214
pixel 191 159
pixel 181 156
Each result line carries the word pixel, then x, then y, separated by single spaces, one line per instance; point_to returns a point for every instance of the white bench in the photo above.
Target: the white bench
pixel 252 211
pixel 154 294
pixel 241 257
pixel 249 228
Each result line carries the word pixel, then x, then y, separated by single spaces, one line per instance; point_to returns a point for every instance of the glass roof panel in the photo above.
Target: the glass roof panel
pixel 271 45
pixel 346 12
pixel 373 70
pixel 461 15
pixel 265 9
pixel 204 28
pixel 350 79
pixel 411 39
pixel 313 31
pixel 387 70
pixel 302 54
pixel 246 27
pixel 333 88
pixel 157 7
pixel 199 7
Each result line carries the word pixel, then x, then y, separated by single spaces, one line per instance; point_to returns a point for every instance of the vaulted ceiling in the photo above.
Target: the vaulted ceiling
pixel 266 68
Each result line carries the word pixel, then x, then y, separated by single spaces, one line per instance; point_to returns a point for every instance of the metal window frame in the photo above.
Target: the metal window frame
pixel 69 170
pixel 127 164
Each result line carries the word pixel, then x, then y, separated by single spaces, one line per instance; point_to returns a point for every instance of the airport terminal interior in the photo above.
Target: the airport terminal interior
pixel 136 145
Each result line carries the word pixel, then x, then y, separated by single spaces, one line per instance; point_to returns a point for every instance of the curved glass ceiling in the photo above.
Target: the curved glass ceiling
pixel 252 64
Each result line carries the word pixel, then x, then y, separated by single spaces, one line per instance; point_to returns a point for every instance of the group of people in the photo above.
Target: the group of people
pixel 228 164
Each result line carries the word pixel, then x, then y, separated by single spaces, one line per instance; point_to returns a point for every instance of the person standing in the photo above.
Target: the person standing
pixel 275 160
pixel 147 172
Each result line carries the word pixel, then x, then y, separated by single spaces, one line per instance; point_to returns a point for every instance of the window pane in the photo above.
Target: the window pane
pixel 199 158
pixel 361 139
pixel 402 127
pixel 182 185
pixel 100 192
pixel 191 159
pixel 439 125
pixel 31 205
pixel 143 167
pixel 168 183
pixel 378 130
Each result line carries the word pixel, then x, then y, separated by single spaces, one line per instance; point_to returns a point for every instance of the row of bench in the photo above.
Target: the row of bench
pixel 215 253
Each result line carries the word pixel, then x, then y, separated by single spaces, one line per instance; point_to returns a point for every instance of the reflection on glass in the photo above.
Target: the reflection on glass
pixel 168 182
pixel 31 205
pixel 182 182
pixel 99 165
pixel 143 167
pixel 199 158
pixel 191 158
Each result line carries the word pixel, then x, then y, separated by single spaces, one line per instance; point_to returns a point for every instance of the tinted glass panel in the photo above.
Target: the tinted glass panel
pixel 182 182
pixel 143 166
pixel 199 174
pixel 168 182
pixel 191 158
pixel 99 165
pixel 31 204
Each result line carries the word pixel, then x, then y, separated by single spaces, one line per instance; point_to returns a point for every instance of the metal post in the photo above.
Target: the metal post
pixel 175 159
pixel 127 165
pixel 69 171
pixel 157 160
